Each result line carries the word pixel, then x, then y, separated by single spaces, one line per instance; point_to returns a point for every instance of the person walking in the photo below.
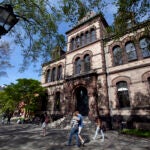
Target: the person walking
pixel 80 127
pixel 99 129
pixel 74 130
pixel 9 115
pixel 44 124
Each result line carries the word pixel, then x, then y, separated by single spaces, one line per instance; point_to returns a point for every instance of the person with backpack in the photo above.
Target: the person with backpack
pixel 74 130
pixel 80 127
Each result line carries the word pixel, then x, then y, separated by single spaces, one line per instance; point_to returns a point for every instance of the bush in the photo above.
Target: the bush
pixel 136 132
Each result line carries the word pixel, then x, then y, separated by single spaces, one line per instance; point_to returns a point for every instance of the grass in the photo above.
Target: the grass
pixel 136 132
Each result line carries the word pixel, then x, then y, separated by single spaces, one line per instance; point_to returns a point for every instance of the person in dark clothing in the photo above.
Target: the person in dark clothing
pixel 8 118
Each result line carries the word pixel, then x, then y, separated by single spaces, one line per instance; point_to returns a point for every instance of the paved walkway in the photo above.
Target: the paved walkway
pixel 27 137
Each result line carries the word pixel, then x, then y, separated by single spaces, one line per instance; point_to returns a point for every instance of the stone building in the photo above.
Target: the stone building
pixel 101 75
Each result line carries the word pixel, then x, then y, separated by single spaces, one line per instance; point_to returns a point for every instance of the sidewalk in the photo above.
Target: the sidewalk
pixel 27 137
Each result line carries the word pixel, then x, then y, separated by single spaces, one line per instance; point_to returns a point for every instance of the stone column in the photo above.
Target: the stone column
pixel 93 112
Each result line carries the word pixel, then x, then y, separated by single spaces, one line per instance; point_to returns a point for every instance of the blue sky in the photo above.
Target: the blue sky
pixel 16 59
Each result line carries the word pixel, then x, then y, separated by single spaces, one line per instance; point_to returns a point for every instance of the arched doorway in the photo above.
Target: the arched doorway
pixel 82 100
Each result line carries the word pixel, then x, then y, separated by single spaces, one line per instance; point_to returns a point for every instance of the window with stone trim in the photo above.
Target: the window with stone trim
pixel 86 61
pixel 48 76
pixel 53 78
pixel 73 44
pixel 78 42
pixel 130 51
pixel 83 39
pixel 117 55
pixel 93 35
pixel 77 66
pixel 122 94
pixel 57 102
pixel 145 47
pixel 87 37
pixel 59 72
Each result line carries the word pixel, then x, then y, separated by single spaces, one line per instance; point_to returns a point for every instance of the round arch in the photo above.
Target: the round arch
pixel 81 100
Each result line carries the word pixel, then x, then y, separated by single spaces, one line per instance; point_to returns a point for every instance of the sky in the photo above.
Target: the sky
pixel 16 59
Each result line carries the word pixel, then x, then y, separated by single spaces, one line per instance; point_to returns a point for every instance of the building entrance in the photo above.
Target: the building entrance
pixel 82 100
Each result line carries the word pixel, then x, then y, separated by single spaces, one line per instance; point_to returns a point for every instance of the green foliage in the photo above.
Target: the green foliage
pixel 136 132
pixel 26 90
pixel 40 20
pixel 129 13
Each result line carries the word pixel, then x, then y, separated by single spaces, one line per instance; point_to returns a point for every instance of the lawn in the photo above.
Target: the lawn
pixel 136 132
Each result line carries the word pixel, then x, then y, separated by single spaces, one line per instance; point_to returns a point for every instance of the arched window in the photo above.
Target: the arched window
pixel 93 35
pixel 59 73
pixel 77 41
pixel 82 40
pixel 48 76
pixel 117 55
pixel 72 44
pixel 87 37
pixel 145 46
pixel 53 74
pixel 87 63
pixel 77 66
pixel 122 94
pixel 57 102
pixel 131 51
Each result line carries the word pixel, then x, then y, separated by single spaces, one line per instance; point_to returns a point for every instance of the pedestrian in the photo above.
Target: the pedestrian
pixel 3 118
pixel 80 127
pixel 99 129
pixel 74 130
pixel 44 124
pixel 9 115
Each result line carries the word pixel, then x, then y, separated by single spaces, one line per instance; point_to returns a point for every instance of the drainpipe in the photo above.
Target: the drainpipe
pixel 108 86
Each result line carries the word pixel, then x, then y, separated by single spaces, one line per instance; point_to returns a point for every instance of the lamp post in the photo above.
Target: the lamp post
pixel 7 19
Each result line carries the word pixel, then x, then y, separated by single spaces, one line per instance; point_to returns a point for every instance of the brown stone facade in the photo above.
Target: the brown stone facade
pixel 92 82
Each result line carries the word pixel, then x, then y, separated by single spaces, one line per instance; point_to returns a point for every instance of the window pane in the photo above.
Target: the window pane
pixel 131 51
pixel 53 74
pixel 87 37
pixel 93 35
pixel 59 73
pixel 78 66
pixel 145 46
pixel 122 94
pixel 82 40
pixel 48 77
pixel 78 42
pixel 117 52
pixel 72 44
pixel 87 63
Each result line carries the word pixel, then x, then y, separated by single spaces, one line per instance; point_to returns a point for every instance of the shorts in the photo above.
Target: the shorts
pixel 79 130
pixel 43 125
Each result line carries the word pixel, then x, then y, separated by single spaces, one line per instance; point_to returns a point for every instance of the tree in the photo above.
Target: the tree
pixel 25 90
pixel 4 57
pixel 40 20
pixel 129 14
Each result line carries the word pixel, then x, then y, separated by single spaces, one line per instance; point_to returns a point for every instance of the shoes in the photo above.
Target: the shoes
pixel 83 142
pixel 93 138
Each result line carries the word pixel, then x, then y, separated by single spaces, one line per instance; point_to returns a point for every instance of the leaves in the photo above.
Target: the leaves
pixel 37 32
pixel 25 90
